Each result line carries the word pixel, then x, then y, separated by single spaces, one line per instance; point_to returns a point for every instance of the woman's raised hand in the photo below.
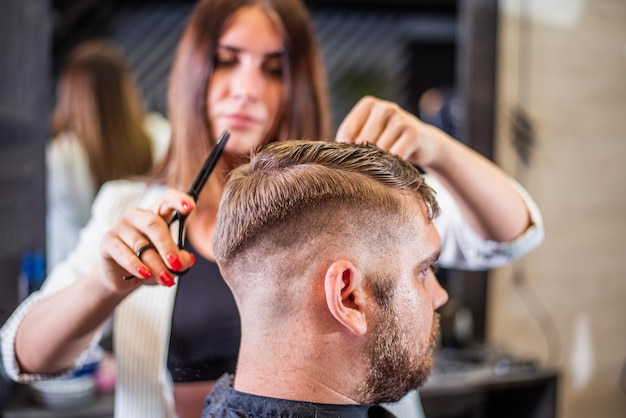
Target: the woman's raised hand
pixel 393 129
pixel 146 230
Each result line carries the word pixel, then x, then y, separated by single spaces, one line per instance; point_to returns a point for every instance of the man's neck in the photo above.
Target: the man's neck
pixel 293 375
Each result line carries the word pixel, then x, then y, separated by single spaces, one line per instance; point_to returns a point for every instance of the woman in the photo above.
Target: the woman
pixel 252 67
pixel 99 133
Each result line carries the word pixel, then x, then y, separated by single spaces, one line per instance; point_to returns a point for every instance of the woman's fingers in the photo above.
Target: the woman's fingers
pixel 378 122
pixel 148 231
pixel 352 125
pixel 136 243
pixel 120 261
pixel 165 257
pixel 172 201
pixel 159 270
pixel 393 129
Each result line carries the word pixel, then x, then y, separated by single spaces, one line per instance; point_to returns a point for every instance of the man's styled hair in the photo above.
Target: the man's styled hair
pixel 294 195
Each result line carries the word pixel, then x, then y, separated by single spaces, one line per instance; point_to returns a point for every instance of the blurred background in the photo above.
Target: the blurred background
pixel 537 85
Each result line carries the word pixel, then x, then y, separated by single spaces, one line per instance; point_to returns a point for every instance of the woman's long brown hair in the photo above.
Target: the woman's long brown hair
pixel 99 103
pixel 306 103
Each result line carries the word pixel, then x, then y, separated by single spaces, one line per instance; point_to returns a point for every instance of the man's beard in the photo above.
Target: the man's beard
pixel 396 366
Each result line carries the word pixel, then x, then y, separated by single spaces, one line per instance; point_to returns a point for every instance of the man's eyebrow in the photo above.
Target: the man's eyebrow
pixel 432 259
pixel 272 54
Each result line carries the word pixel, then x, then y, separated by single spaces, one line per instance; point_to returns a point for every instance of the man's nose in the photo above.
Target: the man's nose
pixel 439 296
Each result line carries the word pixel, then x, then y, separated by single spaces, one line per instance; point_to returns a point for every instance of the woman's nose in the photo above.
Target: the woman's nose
pixel 247 83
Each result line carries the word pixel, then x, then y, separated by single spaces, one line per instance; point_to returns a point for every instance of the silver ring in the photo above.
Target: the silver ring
pixel 143 248
pixel 138 254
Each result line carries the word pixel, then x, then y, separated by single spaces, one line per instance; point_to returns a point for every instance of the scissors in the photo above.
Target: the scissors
pixel 177 223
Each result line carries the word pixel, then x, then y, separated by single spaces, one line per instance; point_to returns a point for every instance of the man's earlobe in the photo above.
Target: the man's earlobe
pixel 345 296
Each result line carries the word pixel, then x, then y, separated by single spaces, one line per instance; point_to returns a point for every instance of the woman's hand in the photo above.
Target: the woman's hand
pixel 489 203
pixel 138 228
pixel 393 129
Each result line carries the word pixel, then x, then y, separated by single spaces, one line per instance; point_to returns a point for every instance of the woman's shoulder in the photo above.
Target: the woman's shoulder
pixel 119 195
pixel 64 149
pixel 124 189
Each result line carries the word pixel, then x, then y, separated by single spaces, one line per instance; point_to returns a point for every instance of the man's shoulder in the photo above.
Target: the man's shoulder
pixel 214 404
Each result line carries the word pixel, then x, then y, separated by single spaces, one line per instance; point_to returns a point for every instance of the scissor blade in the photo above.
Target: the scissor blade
pixel 208 166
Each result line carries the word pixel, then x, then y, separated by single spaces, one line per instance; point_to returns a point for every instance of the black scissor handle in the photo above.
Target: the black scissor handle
pixel 177 224
pixel 178 228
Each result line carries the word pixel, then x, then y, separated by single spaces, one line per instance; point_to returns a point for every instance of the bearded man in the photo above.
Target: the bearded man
pixel 329 249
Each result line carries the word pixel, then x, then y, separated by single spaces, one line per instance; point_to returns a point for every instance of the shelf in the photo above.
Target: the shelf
pixel 21 406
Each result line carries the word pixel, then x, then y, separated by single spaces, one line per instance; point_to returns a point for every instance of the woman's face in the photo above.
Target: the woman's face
pixel 246 91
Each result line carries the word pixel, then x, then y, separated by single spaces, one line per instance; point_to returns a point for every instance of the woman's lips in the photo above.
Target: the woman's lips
pixel 238 120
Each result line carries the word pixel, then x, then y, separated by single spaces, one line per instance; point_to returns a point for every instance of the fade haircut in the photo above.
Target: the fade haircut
pixel 295 193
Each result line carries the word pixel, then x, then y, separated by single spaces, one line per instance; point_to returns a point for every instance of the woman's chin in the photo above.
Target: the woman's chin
pixel 241 143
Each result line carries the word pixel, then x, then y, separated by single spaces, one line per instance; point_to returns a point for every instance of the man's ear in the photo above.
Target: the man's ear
pixel 345 295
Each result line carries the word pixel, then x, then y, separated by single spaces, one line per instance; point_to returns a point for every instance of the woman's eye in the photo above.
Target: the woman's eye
pixel 274 67
pixel 224 62
pixel 275 72
pixel 224 58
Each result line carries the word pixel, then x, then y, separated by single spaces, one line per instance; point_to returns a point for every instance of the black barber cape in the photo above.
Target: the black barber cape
pixel 226 402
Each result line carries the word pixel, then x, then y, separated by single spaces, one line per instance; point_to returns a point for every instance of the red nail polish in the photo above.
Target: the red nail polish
pixel 144 272
pixel 167 279
pixel 186 205
pixel 175 263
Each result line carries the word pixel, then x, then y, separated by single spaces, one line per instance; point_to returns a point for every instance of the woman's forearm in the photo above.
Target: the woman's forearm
pixel 54 333
pixel 486 197
pixel 488 201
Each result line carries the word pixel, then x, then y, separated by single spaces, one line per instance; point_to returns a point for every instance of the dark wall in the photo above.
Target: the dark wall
pixel 24 105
